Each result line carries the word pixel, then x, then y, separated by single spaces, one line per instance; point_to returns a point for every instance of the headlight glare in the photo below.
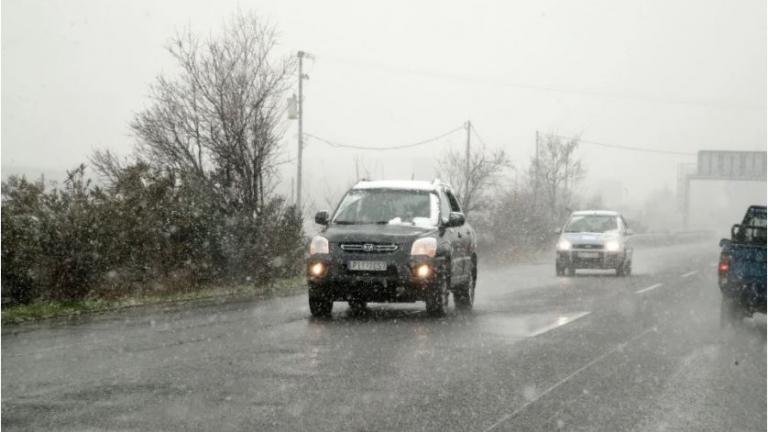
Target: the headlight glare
pixel 423 271
pixel 425 246
pixel 319 245
pixel 563 245
pixel 612 246
pixel 317 269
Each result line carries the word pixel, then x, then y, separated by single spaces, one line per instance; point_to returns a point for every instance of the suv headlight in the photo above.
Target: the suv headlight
pixel 425 246
pixel 612 246
pixel 319 245
pixel 563 245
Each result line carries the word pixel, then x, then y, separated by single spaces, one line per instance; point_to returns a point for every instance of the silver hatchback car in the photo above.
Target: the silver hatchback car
pixel 594 239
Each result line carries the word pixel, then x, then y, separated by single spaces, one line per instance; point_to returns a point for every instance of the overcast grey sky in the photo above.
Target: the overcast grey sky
pixel 680 75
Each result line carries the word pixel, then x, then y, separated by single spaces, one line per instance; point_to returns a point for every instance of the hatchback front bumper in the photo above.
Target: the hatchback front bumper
pixel 590 259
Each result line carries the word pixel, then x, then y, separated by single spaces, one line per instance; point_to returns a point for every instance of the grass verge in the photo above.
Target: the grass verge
pixel 43 310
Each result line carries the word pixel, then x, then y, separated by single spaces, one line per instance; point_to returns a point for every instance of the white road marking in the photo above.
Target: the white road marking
pixel 652 287
pixel 689 274
pixel 563 320
pixel 564 380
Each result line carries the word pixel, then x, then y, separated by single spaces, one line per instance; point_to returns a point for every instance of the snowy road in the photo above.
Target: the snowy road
pixel 594 353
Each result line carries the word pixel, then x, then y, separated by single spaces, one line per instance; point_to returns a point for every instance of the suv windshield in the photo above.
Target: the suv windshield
pixel 592 223
pixel 382 206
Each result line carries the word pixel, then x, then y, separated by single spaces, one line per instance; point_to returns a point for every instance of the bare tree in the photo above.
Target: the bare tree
pixel 108 165
pixel 556 168
pixel 485 169
pixel 219 118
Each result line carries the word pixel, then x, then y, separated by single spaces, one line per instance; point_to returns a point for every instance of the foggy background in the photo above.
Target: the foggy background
pixel 679 76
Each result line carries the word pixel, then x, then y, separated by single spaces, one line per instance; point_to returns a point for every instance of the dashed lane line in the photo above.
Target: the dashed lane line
pixel 559 323
pixel 652 287
pixel 689 274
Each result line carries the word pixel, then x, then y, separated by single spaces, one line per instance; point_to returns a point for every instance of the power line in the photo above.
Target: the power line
pixel 500 82
pixel 630 148
pixel 398 147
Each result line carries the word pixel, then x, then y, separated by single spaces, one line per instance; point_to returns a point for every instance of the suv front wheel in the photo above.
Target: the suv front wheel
pixel 437 297
pixel 319 305
pixel 464 297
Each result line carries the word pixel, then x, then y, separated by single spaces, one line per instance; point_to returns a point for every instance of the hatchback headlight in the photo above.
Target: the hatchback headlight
pixel 563 245
pixel 612 246
pixel 319 245
pixel 425 246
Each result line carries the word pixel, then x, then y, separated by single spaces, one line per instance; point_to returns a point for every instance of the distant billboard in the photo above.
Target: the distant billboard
pixel 731 165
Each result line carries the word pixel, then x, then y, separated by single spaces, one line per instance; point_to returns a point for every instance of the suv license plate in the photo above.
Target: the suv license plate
pixel 367 265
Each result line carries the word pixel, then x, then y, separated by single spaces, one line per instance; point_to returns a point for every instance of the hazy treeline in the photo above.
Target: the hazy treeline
pixel 518 216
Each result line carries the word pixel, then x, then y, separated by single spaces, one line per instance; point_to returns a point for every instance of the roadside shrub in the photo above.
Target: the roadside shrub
pixel 146 230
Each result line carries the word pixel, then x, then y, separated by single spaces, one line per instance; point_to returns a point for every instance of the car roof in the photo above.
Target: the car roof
pixel 596 212
pixel 419 185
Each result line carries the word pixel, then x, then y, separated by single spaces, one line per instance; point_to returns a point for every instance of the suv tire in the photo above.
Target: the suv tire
pixel 357 307
pixel 319 305
pixel 464 297
pixel 437 298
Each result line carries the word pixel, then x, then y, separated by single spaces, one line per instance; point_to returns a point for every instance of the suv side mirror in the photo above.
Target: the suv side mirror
pixel 557 231
pixel 322 218
pixel 724 242
pixel 629 232
pixel 455 219
pixel 735 229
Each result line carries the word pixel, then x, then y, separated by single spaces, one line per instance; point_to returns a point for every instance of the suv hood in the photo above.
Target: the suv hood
pixel 374 233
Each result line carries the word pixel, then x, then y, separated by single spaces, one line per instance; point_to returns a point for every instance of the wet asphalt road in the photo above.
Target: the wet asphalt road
pixel 539 353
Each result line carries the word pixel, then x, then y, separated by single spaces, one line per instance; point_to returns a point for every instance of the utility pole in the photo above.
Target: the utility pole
pixel 467 168
pixel 537 161
pixel 536 175
pixel 301 55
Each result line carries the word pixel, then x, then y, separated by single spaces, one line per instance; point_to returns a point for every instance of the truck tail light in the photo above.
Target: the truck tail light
pixel 724 266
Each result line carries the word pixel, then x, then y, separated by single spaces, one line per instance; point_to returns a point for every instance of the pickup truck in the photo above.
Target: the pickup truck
pixel 741 270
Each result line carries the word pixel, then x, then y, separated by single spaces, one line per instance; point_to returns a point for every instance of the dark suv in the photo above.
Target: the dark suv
pixel 393 241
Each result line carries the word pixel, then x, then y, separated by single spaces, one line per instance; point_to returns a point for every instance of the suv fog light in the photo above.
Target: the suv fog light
pixel 316 269
pixel 423 271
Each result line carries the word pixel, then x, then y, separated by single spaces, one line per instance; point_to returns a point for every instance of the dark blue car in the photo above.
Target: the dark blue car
pixel 741 271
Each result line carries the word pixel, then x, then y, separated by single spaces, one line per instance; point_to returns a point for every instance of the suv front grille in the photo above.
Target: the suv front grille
pixel 369 247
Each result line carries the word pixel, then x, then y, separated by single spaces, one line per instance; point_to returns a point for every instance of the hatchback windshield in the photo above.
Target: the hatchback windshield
pixel 592 223
pixel 380 206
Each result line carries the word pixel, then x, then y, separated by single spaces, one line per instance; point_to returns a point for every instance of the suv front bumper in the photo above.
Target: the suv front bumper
pixel 400 282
